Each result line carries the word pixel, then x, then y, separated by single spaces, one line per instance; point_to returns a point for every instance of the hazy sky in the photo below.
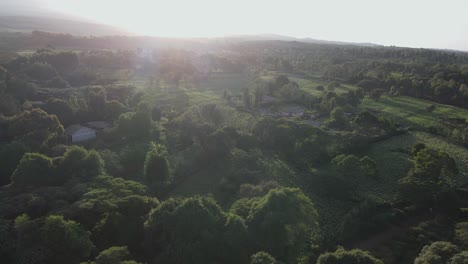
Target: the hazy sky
pixel 413 23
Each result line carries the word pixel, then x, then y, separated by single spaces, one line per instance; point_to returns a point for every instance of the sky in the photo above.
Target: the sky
pixel 410 23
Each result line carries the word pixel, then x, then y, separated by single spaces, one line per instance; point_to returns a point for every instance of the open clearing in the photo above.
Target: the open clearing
pixel 411 111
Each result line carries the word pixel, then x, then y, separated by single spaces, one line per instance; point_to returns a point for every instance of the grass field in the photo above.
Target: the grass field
pixel 394 164
pixel 412 111
pixel 218 82
pixel 309 85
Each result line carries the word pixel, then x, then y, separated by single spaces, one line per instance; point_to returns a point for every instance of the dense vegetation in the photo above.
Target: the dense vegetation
pixel 254 152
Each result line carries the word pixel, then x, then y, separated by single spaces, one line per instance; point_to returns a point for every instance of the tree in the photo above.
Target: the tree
pixel 114 109
pixel 461 234
pixel 281 80
pixel 52 240
pixel 134 125
pixel 463 93
pixel 40 71
pixel 460 258
pixel 430 179
pixel 437 253
pixel 336 119
pixel 20 89
pixel 211 235
pixel 247 98
pixel 114 255
pixel 77 162
pixel 97 101
pixel 61 108
pixel 35 128
pixel 281 223
pixel 368 167
pixel 156 168
pixel 112 162
pixel 342 256
pixel 66 241
pixel 10 155
pixel 128 218
pixel 376 94
pixel 8 241
pixel 416 148
pixel 348 166
pixel 34 169
pixel 58 82
pixel 262 257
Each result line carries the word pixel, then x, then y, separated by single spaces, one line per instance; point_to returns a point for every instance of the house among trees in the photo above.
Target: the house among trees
pixel 98 125
pixel 87 131
pixel 78 133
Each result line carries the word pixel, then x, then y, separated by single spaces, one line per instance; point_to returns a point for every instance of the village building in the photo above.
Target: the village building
pixel 78 133
pixel 98 125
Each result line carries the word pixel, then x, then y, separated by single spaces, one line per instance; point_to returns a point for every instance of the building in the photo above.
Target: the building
pixel 79 133
pixel 98 125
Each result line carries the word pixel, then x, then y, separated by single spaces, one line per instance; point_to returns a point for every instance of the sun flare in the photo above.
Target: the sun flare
pixel 206 18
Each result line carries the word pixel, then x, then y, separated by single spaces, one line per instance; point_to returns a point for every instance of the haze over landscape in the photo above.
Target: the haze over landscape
pixel 427 24
pixel 233 132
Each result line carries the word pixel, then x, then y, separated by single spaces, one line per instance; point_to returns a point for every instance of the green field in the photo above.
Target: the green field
pixel 394 164
pixel 411 111
pixel 309 85
pixel 218 82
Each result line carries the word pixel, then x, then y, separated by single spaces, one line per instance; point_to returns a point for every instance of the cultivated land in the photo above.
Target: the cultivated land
pixel 412 111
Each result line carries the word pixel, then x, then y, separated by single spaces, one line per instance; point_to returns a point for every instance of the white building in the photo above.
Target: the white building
pixel 80 133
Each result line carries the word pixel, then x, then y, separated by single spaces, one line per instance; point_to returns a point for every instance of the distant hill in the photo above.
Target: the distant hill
pixel 57 25
pixel 262 37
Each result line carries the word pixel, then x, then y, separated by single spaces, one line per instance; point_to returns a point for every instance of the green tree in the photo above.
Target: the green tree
pixel 114 109
pixel 460 258
pixel 156 168
pixel 431 177
pixel 281 223
pixel 342 256
pixel 368 167
pixel 114 255
pixel 61 108
pixel 210 236
pixel 77 162
pixel 348 166
pixel 262 257
pixel 35 128
pixel 34 169
pixel 134 125
pixel 437 253
pixel 66 241
pixel 337 118
pixel 461 234
pixel 10 155
pixel 51 240
pixel 416 148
